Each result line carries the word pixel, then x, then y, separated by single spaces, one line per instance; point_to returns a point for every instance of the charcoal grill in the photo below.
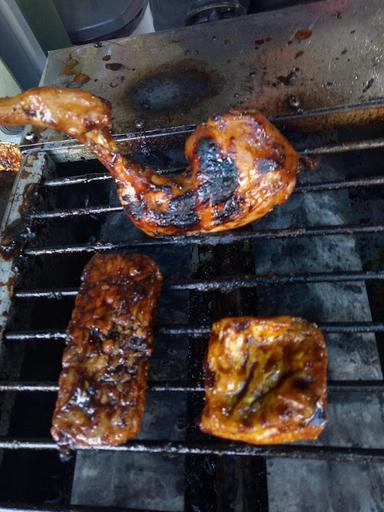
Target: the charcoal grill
pixel 326 243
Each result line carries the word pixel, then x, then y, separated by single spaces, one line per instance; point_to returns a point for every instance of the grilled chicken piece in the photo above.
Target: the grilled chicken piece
pixel 265 380
pixel 240 165
pixel 109 342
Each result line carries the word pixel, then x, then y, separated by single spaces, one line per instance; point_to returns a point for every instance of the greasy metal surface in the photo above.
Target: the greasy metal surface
pixel 304 57
pixel 13 230
pixel 19 507
pixel 330 453
pixel 95 210
pixel 197 331
pixel 227 284
pixel 322 119
pixel 230 237
pixel 181 387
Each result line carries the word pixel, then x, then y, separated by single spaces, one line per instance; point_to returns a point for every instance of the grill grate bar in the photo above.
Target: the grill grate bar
pixel 85 179
pixel 344 147
pixel 182 387
pixel 198 331
pixel 81 179
pixel 315 187
pixel 211 240
pixel 331 453
pixel 228 284
pixel 26 507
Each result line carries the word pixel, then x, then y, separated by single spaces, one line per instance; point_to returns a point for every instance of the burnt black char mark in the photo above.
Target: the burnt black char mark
pixel 266 165
pixel 180 213
pixel 220 174
pixel 229 210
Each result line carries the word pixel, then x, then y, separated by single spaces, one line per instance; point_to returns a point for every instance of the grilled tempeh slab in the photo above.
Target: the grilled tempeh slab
pixel 265 380
pixel 109 341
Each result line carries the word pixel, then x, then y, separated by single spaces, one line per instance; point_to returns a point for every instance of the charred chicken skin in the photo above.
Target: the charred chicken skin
pixel 265 380
pixel 240 166
pixel 103 382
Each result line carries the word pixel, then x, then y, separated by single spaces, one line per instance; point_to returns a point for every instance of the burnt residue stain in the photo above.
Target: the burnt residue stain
pixel 70 67
pixel 174 86
pixel 309 163
pixel 106 57
pixel 220 174
pixel 81 78
pixel 294 103
pixel 114 66
pixel 287 79
pixel 117 81
pixel 13 239
pixel 368 85
pixel 302 34
pixel 260 42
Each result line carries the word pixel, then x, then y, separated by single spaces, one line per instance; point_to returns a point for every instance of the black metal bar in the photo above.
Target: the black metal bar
pixel 97 210
pixel 68 145
pixel 213 447
pixel 81 179
pixel 26 507
pixel 75 212
pixel 211 240
pixel 344 147
pixel 198 331
pixel 228 284
pixel 341 185
pixel 327 327
pixel 372 386
pixel 49 334
pixel 46 293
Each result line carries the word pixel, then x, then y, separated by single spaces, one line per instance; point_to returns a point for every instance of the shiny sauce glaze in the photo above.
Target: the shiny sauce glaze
pixel 239 165
pixel 265 380
pixel 10 157
pixel 103 382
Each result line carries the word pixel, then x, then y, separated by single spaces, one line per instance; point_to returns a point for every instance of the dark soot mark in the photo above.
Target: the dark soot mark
pixel 114 66
pixel 181 212
pixel 220 173
pixel 171 89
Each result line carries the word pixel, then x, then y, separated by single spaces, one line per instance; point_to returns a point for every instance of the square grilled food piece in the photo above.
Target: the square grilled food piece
pixel 265 380
pixel 103 382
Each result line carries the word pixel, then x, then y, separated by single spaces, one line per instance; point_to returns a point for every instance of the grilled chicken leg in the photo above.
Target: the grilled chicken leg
pixel 240 165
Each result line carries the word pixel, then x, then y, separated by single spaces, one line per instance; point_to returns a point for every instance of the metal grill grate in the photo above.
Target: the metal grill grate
pixel 43 248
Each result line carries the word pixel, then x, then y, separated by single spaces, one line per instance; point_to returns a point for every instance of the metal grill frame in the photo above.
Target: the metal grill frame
pixel 41 156
pixel 224 284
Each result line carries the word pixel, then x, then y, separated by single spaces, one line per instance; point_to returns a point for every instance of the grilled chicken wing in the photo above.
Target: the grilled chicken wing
pixel 109 341
pixel 240 165
pixel 265 380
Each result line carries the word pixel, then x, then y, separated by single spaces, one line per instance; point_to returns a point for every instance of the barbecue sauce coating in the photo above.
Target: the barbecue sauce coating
pixel 103 382
pixel 10 157
pixel 240 166
pixel 265 380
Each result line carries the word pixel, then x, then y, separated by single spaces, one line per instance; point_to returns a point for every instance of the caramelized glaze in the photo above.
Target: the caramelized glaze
pixel 103 382
pixel 265 380
pixel 10 157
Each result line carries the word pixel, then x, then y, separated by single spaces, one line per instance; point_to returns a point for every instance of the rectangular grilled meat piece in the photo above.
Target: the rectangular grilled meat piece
pixel 265 380
pixel 103 382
